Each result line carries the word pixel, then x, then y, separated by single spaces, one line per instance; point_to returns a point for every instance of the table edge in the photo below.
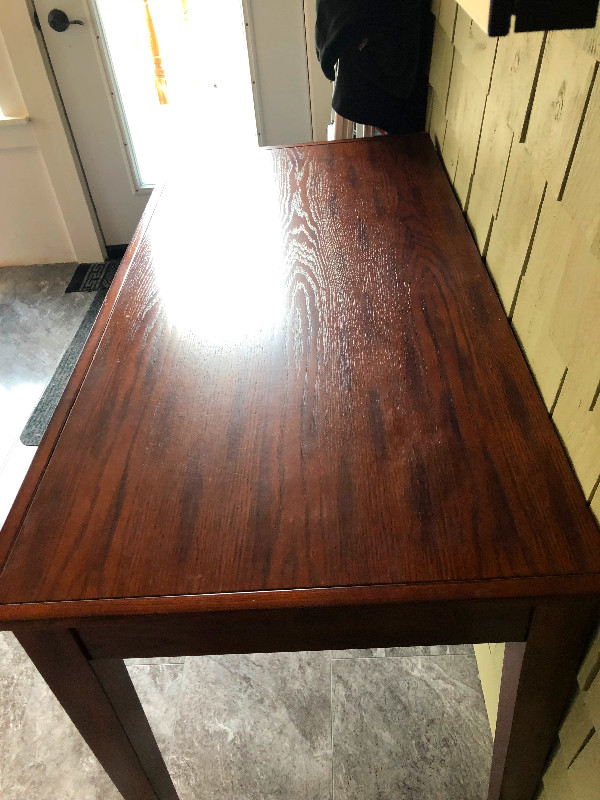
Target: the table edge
pixel 558 587
pixel 9 532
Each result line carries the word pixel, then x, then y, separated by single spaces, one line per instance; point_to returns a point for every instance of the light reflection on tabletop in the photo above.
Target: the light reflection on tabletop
pixel 230 287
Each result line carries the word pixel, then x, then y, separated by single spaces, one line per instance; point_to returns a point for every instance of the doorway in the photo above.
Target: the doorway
pixel 144 81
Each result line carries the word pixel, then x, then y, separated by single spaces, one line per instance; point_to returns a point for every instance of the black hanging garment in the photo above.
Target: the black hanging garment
pixel 382 49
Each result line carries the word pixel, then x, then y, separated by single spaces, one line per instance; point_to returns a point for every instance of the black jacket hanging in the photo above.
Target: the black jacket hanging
pixel 382 49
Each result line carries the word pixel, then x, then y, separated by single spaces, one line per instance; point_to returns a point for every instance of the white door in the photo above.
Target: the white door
pixel 91 102
pixel 143 78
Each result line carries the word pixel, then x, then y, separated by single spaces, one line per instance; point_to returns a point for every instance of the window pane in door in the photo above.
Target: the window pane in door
pixel 182 75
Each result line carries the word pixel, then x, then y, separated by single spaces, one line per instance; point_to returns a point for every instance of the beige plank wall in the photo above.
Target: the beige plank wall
pixel 517 123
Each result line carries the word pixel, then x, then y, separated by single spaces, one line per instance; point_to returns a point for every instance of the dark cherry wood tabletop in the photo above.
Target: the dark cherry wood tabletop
pixel 306 381
pixel 301 421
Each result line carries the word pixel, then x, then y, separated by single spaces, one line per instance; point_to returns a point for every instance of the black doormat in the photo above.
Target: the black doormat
pixel 91 277
pixel 87 278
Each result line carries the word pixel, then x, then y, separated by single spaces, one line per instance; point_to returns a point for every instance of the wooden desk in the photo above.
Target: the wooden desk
pixel 301 422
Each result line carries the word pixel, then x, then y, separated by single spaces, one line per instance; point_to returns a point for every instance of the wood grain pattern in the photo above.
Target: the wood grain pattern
pixel 46 447
pixel 513 230
pixel 437 122
pixel 572 771
pixel 466 104
pixel 447 16
pixel 428 110
pixel 513 79
pixel 555 312
pixel 572 336
pixel 477 49
pixel 303 421
pixel 591 700
pixel 450 151
pixel 589 668
pixel 539 296
pixel 345 405
pixel 587 39
pixel 583 773
pixel 582 195
pixel 555 645
pixel 575 728
pixel 73 613
pixel 556 783
pixel 558 106
pixel 577 411
pixel 441 65
pixel 490 171
pixel 480 11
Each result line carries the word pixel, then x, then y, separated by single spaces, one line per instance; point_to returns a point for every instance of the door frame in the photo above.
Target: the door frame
pixel 48 120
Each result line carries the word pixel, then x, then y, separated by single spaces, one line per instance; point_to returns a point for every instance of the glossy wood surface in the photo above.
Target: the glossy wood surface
pixel 307 380
pixel 287 630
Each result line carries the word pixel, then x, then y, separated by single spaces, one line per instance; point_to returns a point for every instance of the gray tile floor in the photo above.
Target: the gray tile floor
pixel 37 322
pixel 381 724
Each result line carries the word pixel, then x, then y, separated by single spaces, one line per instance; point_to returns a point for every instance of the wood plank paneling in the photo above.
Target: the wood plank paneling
pixel 544 257
pixel 490 171
pixel 428 111
pixel 545 331
pixel 590 667
pixel 513 229
pixel 582 775
pixel 575 729
pixel 513 79
pixel 466 103
pixel 437 121
pixel 582 193
pixel 556 781
pixel 450 151
pixel 592 702
pixel 476 48
pixel 479 11
pixel 576 416
pixel 488 465
pixel 447 16
pixel 587 39
pixel 595 504
pixel 441 65
pixel 559 102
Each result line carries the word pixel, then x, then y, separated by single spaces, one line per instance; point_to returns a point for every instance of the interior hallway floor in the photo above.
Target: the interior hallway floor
pixel 381 724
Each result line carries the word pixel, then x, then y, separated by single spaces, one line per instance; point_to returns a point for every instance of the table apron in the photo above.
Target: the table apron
pixel 294 629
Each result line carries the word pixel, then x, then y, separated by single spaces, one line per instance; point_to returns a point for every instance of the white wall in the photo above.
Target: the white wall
pixel 292 95
pixel 45 214
pixel 321 89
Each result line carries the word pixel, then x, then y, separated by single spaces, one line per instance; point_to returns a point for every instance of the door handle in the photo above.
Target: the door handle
pixel 59 21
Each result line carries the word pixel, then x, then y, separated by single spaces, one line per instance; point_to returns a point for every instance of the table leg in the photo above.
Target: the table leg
pixel 538 679
pixel 102 702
